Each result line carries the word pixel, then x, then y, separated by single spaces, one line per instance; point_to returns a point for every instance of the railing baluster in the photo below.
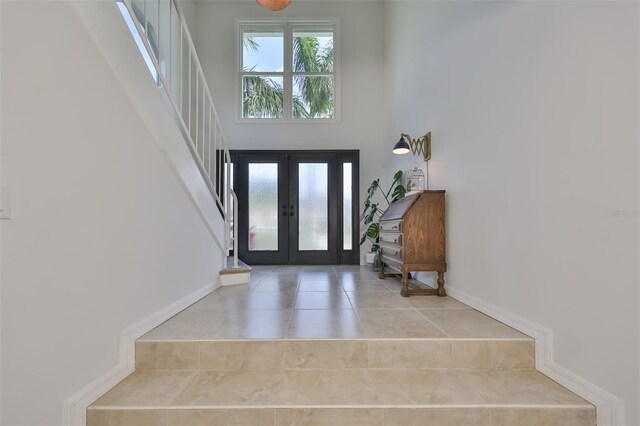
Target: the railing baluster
pixel 211 124
pixel 181 73
pixel 215 152
pixel 189 125
pixel 197 107
pixel 169 63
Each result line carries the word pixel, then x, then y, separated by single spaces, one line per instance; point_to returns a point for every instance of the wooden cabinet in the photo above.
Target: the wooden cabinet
pixel 412 238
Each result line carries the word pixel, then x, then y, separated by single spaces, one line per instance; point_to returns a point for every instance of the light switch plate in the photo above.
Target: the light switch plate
pixel 5 203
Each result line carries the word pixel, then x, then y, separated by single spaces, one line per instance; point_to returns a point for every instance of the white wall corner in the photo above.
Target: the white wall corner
pixel 609 408
pixel 74 409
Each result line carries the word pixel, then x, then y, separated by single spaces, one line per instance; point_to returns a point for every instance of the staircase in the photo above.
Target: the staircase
pixel 334 346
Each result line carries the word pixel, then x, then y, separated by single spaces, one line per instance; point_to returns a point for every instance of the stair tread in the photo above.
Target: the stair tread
pixel 241 266
pixel 384 388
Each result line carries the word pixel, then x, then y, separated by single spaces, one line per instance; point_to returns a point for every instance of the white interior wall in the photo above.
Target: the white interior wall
pixel 103 233
pixel 534 112
pixel 363 122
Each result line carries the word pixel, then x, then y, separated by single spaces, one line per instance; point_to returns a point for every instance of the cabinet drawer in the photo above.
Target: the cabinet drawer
pixel 392 261
pixel 391 237
pixel 391 225
pixel 391 250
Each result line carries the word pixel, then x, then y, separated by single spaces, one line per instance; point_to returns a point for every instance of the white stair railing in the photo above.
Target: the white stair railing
pixel 162 35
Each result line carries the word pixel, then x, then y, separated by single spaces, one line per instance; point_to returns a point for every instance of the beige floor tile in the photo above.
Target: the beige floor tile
pixel 365 285
pixel 321 300
pixel 546 417
pixel 167 356
pixel 324 324
pixel 336 354
pixel 320 285
pixel 241 355
pixel 494 354
pixel 126 417
pixel 437 417
pixel 187 325
pixel 222 417
pixel 469 323
pixel 424 387
pixel 240 387
pixel 211 325
pixel 329 417
pixel 349 276
pixel 218 301
pixel 329 387
pixel 251 324
pixel 318 275
pixel 269 285
pixel 435 302
pixel 409 354
pixel 146 389
pixel 268 300
pixel 376 300
pixel 379 323
pixel 523 387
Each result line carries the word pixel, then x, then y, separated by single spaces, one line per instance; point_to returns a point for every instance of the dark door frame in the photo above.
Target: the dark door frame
pixel 348 257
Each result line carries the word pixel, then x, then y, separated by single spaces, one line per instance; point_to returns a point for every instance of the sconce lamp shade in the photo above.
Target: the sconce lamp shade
pixel 274 5
pixel 402 147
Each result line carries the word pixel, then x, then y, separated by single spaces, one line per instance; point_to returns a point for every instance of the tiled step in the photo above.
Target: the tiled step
pixel 344 397
pixel 335 354
pixel 334 346
pixel 232 275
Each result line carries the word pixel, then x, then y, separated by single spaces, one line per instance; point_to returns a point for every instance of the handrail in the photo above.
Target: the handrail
pixel 189 95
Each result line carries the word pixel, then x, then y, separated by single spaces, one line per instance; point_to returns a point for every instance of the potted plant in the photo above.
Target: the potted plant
pixel 372 211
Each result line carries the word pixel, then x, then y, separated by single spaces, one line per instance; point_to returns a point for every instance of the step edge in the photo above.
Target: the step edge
pixel 585 406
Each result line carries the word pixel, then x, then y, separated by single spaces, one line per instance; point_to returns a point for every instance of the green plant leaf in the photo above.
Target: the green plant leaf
pixel 363 239
pixel 373 231
pixel 399 192
pixel 397 177
pixel 372 214
pixel 371 191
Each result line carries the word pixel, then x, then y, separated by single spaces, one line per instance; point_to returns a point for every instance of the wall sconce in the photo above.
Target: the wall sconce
pixel 422 145
pixel 274 5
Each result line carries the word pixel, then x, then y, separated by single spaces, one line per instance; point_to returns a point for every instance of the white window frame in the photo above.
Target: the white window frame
pixel 288 27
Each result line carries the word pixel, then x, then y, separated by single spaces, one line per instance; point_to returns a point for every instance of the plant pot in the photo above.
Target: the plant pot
pixel 369 257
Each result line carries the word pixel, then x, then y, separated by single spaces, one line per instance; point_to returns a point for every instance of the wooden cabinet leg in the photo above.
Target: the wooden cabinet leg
pixel 405 285
pixel 441 291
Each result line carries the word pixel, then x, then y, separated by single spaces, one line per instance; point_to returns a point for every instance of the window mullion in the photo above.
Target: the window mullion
pixel 288 77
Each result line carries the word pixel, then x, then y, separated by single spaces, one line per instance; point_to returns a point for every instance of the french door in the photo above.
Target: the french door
pixel 297 207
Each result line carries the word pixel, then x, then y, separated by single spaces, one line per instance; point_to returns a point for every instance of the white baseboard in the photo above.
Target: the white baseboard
pixel 609 408
pixel 74 409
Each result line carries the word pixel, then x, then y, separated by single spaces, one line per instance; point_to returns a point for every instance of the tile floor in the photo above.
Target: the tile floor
pixel 334 345
pixel 325 302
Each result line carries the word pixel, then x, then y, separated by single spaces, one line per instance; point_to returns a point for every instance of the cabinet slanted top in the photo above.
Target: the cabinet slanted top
pixel 399 209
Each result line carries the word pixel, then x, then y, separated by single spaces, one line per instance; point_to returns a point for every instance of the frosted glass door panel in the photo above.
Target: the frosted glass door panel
pixel 263 206
pixel 313 202
pixel 347 210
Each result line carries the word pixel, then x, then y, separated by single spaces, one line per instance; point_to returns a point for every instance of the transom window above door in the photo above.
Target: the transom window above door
pixel 288 71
